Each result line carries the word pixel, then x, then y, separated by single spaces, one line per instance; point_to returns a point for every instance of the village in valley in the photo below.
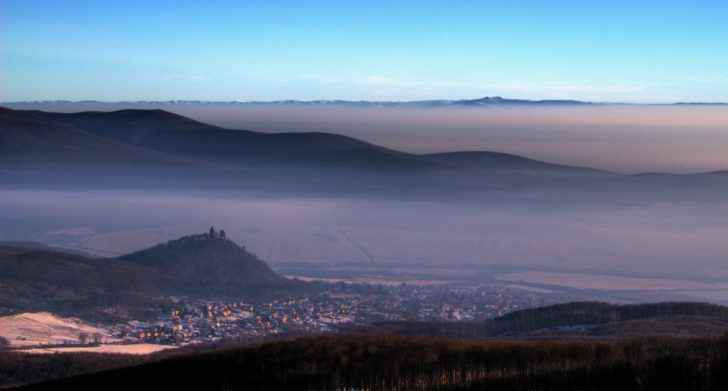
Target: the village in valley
pixel 188 321
pixel 197 321
pixel 327 305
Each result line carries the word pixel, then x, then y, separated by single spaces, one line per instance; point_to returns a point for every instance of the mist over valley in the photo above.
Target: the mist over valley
pixel 120 181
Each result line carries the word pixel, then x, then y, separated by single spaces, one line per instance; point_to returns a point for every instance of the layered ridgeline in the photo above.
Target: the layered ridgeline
pixel 581 319
pixel 204 266
pixel 162 150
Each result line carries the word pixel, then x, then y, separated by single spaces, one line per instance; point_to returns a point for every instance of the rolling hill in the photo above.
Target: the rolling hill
pixel 144 136
pixel 171 133
pixel 155 149
pixel 485 160
pixel 28 140
pixel 210 256
pixel 130 286
pixel 581 320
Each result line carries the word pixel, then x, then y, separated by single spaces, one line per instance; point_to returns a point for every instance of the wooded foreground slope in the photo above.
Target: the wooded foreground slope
pixel 379 362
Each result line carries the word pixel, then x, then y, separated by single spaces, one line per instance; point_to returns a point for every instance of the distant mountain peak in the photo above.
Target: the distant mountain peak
pixel 497 100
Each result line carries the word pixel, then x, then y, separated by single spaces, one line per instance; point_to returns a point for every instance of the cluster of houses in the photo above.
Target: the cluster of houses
pixel 194 321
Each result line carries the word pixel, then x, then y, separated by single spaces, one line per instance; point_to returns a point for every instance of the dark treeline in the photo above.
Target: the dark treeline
pixel 576 314
pixel 20 368
pixel 381 362
pixel 591 313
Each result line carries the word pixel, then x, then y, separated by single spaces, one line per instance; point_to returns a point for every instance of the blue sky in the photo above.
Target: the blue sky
pixel 391 50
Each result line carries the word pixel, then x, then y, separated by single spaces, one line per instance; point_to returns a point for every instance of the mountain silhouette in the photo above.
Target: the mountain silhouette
pixel 170 133
pixel 28 139
pixel 155 149
pixel 208 255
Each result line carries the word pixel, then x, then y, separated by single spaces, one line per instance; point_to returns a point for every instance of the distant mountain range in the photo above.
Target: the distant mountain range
pixel 484 101
pixel 156 149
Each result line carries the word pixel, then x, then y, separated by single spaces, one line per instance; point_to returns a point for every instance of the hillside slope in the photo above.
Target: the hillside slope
pixel 486 160
pixel 132 286
pixel 209 256
pixel 31 141
pixel 171 133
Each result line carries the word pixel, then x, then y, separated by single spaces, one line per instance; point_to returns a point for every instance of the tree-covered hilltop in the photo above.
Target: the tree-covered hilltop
pixel 210 256
pixel 135 286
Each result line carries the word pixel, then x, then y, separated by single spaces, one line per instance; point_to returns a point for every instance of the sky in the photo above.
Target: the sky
pixel 617 51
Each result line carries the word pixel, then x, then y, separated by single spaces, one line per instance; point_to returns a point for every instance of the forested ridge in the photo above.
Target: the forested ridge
pixel 586 318
pixel 385 362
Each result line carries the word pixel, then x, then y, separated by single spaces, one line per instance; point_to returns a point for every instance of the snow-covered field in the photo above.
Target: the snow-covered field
pixel 137 348
pixel 44 328
pixel 29 331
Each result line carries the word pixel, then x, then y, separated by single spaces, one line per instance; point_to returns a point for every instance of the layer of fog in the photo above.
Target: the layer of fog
pixel 678 239
pixel 620 138
pixel 586 231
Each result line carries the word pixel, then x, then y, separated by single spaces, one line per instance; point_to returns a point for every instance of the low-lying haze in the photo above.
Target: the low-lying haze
pixel 678 238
